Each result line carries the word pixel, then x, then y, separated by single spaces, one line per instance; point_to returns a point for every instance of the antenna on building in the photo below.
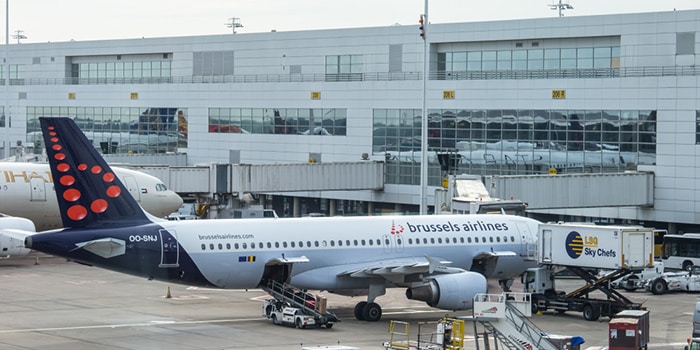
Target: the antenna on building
pixel 19 35
pixel 233 23
pixel 561 5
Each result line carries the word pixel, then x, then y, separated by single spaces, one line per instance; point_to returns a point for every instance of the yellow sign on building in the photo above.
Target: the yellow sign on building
pixel 71 95
pixel 558 94
pixel 448 94
pixel 315 95
pixel 134 95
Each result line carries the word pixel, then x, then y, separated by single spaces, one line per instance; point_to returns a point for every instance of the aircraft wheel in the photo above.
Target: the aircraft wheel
pixel 299 325
pixel 329 325
pixel 658 286
pixel 359 310
pixel 533 306
pixel 372 312
pixel 687 265
pixel 274 319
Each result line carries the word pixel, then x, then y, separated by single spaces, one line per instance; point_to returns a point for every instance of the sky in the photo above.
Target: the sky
pixel 53 21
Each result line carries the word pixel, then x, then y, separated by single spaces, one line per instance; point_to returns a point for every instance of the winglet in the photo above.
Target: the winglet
pixel 88 191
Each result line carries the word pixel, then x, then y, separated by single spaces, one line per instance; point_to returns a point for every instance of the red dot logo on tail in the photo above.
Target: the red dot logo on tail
pixel 67 180
pixel 99 206
pixel 77 212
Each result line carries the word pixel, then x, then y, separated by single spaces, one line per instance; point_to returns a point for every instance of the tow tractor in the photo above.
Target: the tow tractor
pixel 638 280
pixel 579 248
pixel 688 281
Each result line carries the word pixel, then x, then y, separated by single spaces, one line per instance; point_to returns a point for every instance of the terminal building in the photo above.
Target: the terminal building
pixel 550 108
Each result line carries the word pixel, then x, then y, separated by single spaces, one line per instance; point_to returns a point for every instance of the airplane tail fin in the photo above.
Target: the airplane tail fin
pixel 88 191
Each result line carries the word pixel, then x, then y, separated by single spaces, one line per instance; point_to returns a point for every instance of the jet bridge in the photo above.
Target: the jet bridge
pixel 255 178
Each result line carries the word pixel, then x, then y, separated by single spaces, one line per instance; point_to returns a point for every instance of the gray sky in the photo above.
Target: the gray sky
pixel 64 20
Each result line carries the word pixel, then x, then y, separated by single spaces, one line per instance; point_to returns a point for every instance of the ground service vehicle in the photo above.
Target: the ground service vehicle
pixel 638 280
pixel 281 313
pixel 297 308
pixel 676 281
pixel 580 248
pixel 693 344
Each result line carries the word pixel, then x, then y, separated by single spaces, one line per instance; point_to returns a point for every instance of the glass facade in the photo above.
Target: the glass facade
pixel 697 127
pixel 111 72
pixel 119 129
pixel 16 74
pixel 528 60
pixel 289 121
pixel 515 141
pixel 344 68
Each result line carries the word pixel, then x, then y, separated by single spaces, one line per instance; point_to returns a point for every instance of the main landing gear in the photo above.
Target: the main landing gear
pixel 365 311
pixel 369 310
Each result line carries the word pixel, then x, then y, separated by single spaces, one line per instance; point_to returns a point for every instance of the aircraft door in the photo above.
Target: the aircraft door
pixel 546 253
pixel 527 238
pixel 38 188
pixel 133 187
pixel 169 249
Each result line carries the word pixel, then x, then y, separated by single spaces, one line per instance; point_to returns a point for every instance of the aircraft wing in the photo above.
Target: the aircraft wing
pixel 396 270
pixel 494 254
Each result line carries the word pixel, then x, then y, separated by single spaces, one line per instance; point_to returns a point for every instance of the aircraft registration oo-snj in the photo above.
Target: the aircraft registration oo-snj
pixel 442 260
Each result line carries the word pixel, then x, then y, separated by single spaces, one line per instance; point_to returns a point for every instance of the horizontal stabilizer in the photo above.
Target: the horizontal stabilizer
pixel 105 247
pixel 19 235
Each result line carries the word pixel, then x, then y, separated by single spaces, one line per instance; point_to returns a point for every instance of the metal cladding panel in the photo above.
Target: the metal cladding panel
pixel 309 177
pixel 576 190
pixel 160 171
pixel 604 247
pixel 190 180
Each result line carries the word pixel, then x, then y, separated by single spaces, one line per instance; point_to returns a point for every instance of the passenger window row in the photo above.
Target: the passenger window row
pixel 353 243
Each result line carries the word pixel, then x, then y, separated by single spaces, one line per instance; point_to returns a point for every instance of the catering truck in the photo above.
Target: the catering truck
pixel 582 248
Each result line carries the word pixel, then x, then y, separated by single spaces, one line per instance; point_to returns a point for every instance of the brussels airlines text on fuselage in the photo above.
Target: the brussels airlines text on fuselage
pixel 452 227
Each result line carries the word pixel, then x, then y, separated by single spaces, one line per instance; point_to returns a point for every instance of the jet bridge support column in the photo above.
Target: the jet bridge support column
pixel 332 207
pixel 296 207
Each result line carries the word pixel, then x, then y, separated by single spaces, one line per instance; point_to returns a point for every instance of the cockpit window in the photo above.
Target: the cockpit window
pixel 161 187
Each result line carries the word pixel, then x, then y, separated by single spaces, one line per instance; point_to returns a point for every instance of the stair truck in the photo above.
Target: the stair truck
pixel 581 248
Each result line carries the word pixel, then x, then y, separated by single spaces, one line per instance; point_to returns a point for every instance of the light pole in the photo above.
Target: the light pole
pixel 6 110
pixel 424 119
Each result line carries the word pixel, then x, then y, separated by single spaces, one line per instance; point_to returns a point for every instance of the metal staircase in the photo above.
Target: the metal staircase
pixel 506 317
pixel 309 303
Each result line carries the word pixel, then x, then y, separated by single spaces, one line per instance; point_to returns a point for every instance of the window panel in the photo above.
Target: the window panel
pixel 535 59
pixel 474 61
pixel 459 61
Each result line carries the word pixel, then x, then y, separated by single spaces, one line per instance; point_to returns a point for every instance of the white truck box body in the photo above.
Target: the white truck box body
pixel 603 247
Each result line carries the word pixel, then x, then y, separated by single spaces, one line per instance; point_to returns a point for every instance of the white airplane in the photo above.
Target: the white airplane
pixel 442 260
pixel 27 192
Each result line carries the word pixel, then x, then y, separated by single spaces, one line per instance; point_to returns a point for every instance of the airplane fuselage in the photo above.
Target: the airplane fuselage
pixel 239 253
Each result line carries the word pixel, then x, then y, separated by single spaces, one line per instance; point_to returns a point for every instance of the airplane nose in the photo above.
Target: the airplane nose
pixel 176 201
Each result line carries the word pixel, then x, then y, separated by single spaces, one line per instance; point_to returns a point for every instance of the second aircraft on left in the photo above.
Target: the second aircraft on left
pixel 28 200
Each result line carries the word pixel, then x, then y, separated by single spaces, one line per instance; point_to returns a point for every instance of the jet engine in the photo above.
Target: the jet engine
pixel 13 231
pixel 449 292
